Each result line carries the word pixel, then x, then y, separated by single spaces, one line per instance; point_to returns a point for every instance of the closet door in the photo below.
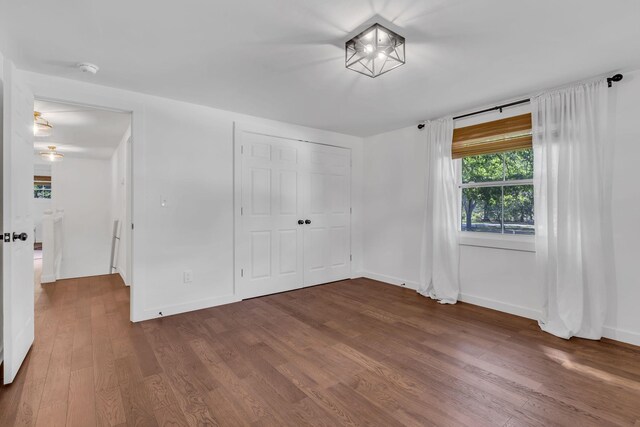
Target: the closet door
pixel 327 207
pixel 271 246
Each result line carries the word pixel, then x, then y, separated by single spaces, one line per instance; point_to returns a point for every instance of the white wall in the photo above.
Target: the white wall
pixel 624 313
pixel 82 189
pixel 497 278
pixel 119 202
pixel 184 152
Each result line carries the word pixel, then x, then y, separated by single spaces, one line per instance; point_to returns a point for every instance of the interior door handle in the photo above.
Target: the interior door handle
pixel 21 236
pixel 307 221
pixel 300 222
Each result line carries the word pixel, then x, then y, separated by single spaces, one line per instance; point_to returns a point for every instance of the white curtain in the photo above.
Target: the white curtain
pixel 572 182
pixel 440 252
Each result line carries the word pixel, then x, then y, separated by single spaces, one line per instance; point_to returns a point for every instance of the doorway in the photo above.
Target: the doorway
pixel 81 192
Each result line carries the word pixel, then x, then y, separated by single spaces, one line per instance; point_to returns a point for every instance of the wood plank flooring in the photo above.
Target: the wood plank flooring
pixel 356 352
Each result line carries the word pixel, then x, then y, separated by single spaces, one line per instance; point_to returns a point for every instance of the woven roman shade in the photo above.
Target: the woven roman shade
pixel 512 133
pixel 42 179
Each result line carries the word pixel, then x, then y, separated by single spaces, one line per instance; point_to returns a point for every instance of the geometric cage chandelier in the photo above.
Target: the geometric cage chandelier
pixel 375 51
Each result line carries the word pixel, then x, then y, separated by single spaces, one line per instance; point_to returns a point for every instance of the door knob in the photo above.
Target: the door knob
pixel 21 236
pixel 307 221
pixel 300 222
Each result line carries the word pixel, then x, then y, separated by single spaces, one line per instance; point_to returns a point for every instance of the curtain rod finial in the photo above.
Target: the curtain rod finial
pixel 615 78
pixel 421 126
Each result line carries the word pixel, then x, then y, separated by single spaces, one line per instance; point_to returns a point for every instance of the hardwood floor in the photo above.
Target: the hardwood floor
pixel 356 352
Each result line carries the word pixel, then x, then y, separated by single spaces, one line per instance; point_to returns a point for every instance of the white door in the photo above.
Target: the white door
pixel 327 200
pixel 294 227
pixel 17 222
pixel 271 242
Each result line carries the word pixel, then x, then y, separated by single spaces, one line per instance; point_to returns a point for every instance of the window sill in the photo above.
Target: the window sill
pixel 497 241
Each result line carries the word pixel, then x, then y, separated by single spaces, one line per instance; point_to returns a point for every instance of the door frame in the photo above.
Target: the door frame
pixel 129 189
pixel 238 129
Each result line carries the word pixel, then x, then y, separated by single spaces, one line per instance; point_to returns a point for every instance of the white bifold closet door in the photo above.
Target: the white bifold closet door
pixel 295 214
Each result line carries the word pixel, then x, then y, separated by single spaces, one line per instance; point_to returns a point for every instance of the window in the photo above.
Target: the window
pixel 42 187
pixel 496 176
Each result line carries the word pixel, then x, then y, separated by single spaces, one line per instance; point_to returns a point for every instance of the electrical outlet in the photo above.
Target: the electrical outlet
pixel 187 276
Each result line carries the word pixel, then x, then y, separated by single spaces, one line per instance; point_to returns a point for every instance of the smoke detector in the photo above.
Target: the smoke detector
pixel 87 67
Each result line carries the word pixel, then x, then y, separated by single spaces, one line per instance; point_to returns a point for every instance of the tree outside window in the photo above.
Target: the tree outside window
pixel 497 193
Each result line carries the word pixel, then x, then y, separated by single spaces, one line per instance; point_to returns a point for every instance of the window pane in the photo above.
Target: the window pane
pixel 481 209
pixel 518 164
pixel 518 209
pixel 487 167
pixel 42 191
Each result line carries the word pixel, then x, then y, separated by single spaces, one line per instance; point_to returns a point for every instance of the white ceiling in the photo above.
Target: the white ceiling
pixel 80 131
pixel 284 59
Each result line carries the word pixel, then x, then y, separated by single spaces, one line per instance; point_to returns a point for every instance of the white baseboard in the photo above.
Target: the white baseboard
pixel 621 335
pixel 122 276
pixel 390 280
pixel 47 278
pixel 530 313
pixel 517 310
pixel 169 310
pixel 471 299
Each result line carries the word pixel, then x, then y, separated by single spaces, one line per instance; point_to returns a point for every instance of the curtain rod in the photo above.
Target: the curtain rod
pixel 610 80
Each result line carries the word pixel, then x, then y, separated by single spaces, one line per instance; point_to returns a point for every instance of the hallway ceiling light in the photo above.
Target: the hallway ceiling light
pixel 374 51
pixel 52 155
pixel 41 127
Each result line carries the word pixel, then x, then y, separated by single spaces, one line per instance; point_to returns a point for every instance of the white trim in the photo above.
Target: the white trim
pixel 169 310
pixel 136 173
pixel 504 307
pixel 122 275
pixel 497 241
pixel 471 299
pixel 47 279
pixel 505 183
pixel 238 129
pixel 390 280
pixel 621 335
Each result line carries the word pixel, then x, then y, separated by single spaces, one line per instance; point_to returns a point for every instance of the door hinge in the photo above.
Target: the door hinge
pixel 350 257
pixel 350 210
pixel 241 211
pixel 7 237
pixel 242 149
pixel 132 226
pixel 242 272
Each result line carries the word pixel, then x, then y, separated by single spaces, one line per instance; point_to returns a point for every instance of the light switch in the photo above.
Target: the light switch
pixel 187 276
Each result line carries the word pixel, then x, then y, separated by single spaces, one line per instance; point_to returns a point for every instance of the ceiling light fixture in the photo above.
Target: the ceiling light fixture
pixel 52 155
pixel 375 51
pixel 41 127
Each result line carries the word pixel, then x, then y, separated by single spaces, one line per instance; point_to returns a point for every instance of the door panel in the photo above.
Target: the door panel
pixel 270 237
pixel 17 195
pixel 327 240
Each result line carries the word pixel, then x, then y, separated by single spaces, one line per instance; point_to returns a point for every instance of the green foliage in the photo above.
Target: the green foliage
pixel 483 208
pixel 42 191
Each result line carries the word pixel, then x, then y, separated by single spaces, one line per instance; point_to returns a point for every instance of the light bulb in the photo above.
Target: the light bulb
pixel 381 55
pixel 368 48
